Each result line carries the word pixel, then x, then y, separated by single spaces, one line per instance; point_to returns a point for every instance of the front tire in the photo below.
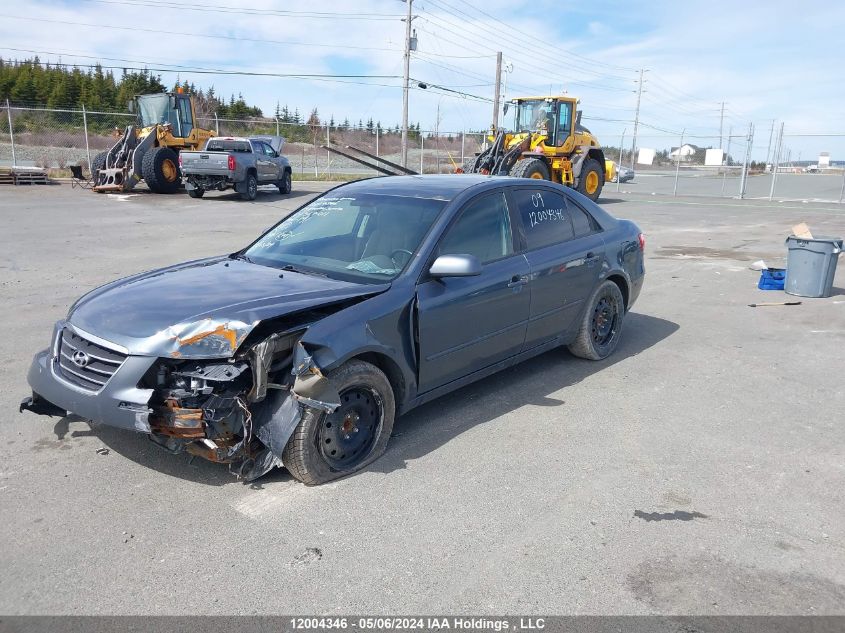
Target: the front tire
pixel 601 326
pixel 250 188
pixel 591 181
pixel 160 169
pixel 324 446
pixel 531 168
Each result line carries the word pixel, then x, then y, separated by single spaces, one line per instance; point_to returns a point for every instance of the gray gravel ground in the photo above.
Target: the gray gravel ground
pixel 701 470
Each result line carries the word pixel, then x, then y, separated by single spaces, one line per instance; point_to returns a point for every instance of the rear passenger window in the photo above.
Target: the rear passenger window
pixel 582 222
pixel 545 217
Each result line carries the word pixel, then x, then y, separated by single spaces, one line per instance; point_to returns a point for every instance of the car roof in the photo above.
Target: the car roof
pixel 439 186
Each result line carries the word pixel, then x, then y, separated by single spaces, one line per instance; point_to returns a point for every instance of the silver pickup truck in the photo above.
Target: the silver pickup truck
pixel 236 162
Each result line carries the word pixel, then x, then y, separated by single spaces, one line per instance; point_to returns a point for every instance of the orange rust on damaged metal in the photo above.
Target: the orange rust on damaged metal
pixel 220 330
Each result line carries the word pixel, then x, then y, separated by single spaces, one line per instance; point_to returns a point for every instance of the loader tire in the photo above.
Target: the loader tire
pixel 160 169
pixel 591 180
pixel 97 164
pixel 531 168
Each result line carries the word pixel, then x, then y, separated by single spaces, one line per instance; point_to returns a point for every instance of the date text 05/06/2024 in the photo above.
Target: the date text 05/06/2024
pixel 406 623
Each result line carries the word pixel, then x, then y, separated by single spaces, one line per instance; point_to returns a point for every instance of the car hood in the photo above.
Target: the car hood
pixel 202 309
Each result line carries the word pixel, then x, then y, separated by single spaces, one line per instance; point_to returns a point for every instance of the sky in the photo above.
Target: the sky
pixel 769 62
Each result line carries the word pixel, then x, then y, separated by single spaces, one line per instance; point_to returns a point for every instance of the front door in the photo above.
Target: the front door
pixel 469 323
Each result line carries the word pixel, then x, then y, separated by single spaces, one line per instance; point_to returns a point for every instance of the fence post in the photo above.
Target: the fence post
pixel 621 145
pixel 302 164
pixel 842 191
pixel 85 127
pixel 216 125
pixel 422 150
pixel 377 135
pixel 678 163
pixel 744 180
pixel 11 133
pixel 277 126
pixel 776 161
pixel 328 153
pixel 727 160
pixel 463 139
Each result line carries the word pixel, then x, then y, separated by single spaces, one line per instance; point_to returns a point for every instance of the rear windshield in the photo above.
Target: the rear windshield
pixel 222 145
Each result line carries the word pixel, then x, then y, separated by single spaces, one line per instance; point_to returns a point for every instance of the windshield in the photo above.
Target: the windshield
pixel 154 109
pixel 360 237
pixel 534 115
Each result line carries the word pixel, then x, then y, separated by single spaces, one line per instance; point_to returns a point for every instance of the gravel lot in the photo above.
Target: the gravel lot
pixel 701 470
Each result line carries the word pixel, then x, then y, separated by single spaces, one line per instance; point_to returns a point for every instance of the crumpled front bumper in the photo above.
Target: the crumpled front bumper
pixel 119 403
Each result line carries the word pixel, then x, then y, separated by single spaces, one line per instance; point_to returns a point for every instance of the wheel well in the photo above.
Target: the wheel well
pixel 391 370
pixel 252 170
pixel 619 280
pixel 598 155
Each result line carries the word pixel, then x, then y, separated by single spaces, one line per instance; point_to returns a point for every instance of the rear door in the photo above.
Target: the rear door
pixel 564 249
pixel 263 164
pixel 469 323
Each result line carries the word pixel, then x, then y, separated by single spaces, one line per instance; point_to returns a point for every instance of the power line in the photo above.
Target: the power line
pixel 205 8
pixel 183 34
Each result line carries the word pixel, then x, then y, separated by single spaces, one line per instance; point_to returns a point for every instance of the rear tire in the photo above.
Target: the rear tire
pixel 285 184
pixel 160 169
pixel 196 193
pixel 250 188
pixel 601 325
pixel 321 447
pixel 591 180
pixel 531 168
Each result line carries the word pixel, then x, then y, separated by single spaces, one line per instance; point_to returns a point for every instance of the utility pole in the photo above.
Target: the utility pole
pixel 498 94
pixel 637 118
pixel 721 125
pixel 406 79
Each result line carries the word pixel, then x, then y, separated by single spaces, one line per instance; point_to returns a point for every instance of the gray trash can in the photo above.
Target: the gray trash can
pixel 811 265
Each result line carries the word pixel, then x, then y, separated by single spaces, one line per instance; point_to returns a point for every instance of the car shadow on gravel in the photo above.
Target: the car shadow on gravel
pixel 426 429
pixel 264 195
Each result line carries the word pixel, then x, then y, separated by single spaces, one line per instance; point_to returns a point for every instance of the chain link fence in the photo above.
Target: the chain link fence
pixel 747 164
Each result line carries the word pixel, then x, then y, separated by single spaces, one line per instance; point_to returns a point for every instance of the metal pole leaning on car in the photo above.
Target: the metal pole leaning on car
pixel 621 145
pixel 727 160
pixel 422 151
pixel 328 153
pixel 11 132
pixel 842 191
pixel 85 131
pixel 678 163
pixel 776 161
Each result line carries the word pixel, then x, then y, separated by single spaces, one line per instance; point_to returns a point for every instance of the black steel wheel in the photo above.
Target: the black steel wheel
pixel 347 435
pixel 324 446
pixel 601 325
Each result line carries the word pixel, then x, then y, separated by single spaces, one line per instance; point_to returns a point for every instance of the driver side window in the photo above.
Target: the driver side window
pixel 483 230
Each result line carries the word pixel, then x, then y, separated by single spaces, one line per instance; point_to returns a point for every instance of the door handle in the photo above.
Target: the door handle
pixel 518 280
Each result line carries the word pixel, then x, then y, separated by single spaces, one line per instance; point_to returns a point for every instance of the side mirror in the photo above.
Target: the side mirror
pixel 131 106
pixel 455 266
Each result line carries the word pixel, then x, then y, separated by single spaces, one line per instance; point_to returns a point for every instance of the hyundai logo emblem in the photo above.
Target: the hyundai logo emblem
pixel 80 358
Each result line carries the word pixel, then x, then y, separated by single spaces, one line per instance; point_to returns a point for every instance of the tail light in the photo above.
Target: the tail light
pixel 641 238
pixel 232 163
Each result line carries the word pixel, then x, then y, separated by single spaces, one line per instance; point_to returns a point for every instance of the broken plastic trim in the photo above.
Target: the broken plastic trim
pixel 310 386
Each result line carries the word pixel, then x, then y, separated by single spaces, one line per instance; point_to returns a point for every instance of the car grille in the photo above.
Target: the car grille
pixel 94 364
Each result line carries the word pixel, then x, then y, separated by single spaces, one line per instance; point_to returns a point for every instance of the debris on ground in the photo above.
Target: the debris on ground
pixel 774 303
pixel 102 451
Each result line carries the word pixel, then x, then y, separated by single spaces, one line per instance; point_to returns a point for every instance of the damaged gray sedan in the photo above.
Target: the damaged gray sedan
pixel 302 348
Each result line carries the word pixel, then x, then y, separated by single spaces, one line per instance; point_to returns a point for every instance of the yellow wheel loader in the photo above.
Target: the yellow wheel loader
pixel 549 143
pixel 149 151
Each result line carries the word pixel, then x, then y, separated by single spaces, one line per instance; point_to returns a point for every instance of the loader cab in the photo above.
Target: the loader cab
pixel 552 117
pixel 156 109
